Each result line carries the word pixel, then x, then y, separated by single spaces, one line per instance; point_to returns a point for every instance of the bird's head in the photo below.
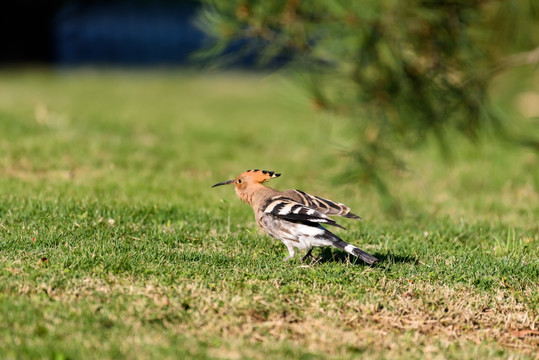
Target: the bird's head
pixel 249 178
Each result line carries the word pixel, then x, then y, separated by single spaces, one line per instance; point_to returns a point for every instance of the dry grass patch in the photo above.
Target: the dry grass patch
pixel 407 315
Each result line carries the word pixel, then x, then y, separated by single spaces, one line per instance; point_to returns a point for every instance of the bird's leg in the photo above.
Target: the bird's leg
pixel 308 255
pixel 290 251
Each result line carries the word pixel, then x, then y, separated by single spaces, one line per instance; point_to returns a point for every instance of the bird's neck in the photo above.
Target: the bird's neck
pixel 247 194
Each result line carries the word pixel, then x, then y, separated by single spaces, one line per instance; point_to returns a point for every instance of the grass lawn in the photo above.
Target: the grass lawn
pixel 113 244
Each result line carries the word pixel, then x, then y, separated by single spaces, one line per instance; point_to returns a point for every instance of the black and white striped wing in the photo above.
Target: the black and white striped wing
pixel 325 206
pixel 292 210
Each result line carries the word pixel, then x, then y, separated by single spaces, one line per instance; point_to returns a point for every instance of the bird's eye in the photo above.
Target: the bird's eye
pixel 239 181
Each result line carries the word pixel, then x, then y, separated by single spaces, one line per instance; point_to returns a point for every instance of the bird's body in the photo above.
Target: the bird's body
pixel 293 216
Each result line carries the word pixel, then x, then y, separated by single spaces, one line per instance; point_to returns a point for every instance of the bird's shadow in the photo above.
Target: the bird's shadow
pixel 384 260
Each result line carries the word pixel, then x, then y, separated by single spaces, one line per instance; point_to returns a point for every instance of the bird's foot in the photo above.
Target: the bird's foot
pixel 308 255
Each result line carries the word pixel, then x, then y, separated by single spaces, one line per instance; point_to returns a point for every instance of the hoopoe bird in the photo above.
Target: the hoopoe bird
pixel 292 216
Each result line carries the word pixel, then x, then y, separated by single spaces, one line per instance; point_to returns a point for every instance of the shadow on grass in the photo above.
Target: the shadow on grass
pixel 384 260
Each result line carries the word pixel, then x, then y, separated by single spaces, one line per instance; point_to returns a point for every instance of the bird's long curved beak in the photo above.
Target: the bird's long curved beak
pixel 224 183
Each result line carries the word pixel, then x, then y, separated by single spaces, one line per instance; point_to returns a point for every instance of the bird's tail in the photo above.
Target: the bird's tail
pixel 351 249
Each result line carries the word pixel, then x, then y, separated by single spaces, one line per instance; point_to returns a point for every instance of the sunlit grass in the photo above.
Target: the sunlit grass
pixel 113 244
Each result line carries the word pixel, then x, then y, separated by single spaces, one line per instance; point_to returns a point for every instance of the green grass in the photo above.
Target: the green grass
pixel 113 244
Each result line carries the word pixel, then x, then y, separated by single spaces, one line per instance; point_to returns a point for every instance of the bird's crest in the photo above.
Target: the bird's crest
pixel 259 176
pixel 249 177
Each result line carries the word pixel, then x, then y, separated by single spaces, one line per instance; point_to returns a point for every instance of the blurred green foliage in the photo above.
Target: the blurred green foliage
pixel 403 71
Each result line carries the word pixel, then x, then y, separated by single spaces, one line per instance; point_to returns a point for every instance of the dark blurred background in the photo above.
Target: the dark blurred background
pixel 98 32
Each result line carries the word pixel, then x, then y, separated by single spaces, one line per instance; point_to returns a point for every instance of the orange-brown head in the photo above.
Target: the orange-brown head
pixel 245 181
pixel 250 177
